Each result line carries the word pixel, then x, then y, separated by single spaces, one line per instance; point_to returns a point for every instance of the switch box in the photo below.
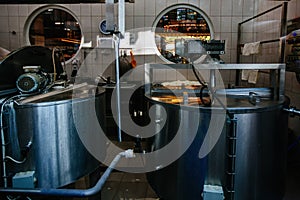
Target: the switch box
pixel 213 192
pixel 24 180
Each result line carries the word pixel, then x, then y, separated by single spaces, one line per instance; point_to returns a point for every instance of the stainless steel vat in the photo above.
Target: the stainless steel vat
pixel 57 154
pixel 248 161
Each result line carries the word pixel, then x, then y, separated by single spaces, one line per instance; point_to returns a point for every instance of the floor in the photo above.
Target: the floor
pixel 128 186
pixel 124 186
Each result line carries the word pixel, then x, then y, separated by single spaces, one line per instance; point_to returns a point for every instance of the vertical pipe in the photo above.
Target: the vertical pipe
pixel 121 25
pixel 238 55
pixel 281 77
pixel 238 47
pixel 283 31
pixel 110 24
pixel 118 104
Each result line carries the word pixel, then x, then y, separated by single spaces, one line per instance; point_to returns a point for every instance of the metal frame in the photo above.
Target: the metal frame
pixel 277 73
pixel 283 33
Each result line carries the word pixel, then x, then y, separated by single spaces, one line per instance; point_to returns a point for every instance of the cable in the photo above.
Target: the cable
pixel 201 96
pixel 54 66
pixel 3 143
pixel 197 77
pixel 14 160
pixel 204 86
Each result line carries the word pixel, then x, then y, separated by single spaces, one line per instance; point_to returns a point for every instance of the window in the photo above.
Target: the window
pixel 179 32
pixel 55 27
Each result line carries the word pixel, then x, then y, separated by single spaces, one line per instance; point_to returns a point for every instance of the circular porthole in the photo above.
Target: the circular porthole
pixel 179 32
pixel 55 27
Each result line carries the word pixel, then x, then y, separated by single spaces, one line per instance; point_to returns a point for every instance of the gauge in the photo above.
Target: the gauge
pixel 102 27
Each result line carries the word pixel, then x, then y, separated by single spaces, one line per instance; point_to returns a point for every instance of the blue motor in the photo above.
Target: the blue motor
pixel 33 80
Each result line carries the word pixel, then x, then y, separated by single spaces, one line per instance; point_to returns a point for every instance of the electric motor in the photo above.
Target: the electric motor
pixel 33 81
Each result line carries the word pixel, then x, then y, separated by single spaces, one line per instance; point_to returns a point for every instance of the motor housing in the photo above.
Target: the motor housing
pixel 33 80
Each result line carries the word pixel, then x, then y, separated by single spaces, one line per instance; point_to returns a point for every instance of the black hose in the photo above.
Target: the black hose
pixel 204 86
pixel 201 96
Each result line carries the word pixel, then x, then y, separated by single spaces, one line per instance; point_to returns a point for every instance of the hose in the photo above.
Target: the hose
pixel 204 86
pixel 73 192
pixel 54 66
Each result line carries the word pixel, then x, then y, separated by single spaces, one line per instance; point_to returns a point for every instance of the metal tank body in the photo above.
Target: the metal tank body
pixel 261 146
pixel 57 155
pixel 184 178
pixel 248 161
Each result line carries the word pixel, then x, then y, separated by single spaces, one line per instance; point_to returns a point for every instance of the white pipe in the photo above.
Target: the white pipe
pixel 73 192
pixel 118 104
pixel 121 25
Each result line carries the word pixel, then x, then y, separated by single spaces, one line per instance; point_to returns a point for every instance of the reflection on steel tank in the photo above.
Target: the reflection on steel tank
pixel 57 155
pixel 248 160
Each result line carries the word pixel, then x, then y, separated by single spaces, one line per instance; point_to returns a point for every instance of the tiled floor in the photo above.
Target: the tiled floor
pixel 128 186
pixel 125 186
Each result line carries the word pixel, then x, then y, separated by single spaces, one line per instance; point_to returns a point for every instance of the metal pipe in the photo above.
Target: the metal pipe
pixel 283 31
pixel 260 14
pixel 121 16
pixel 117 43
pixel 72 192
pixel 293 111
pixel 110 23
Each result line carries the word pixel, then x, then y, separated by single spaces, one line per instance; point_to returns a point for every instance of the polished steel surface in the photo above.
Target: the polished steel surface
pixel 261 155
pixel 260 149
pixel 184 178
pixel 57 154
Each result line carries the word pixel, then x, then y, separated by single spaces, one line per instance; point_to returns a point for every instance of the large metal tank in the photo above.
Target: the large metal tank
pixel 248 161
pixel 57 155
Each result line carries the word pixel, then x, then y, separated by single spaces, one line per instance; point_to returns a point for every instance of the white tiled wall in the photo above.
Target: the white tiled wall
pixel 224 15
